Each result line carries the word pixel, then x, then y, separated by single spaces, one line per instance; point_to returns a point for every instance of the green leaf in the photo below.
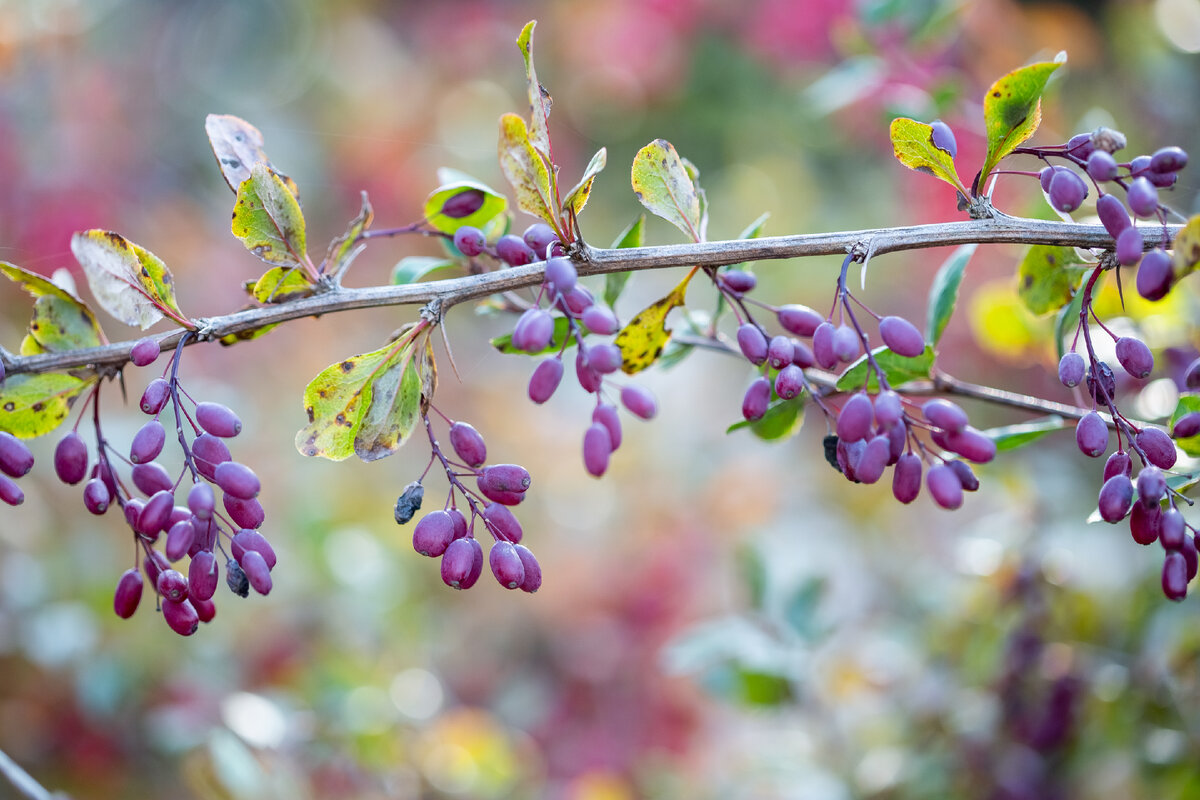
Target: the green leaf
pixel 1187 404
pixel 337 399
pixel 562 338
pixel 238 146
pixel 783 418
pixel 393 402
pixel 268 220
pixel 1066 322
pixel 411 269
pixel 246 336
pixel 1186 256
pixel 487 204
pixel 1012 110
pixel 539 98
pixel 61 321
pixel 643 338
pixel 525 169
pixel 912 144
pixel 344 248
pixel 1048 277
pixel 33 405
pixel 943 293
pixel 898 369
pixel 281 284
pixel 577 198
pixel 662 184
pixel 614 282
pixel 129 282
pixel 1010 437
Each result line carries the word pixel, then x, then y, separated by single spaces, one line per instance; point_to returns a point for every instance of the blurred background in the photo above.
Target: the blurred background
pixel 721 617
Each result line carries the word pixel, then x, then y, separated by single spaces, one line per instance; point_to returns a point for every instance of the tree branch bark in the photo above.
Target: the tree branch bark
pixel 443 294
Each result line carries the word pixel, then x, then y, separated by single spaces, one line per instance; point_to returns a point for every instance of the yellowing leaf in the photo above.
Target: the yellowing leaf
pixel 539 98
pixel 428 373
pixel 912 143
pixel 1186 256
pixel 662 184
pixel 130 282
pixel 577 198
pixel 1012 110
pixel 1048 277
pixel 61 321
pixel 246 336
pixel 643 339
pixel 238 146
pixel 393 401
pixel 33 405
pixel 268 220
pixel 343 249
pixel 446 210
pixel 525 169
pixel 281 284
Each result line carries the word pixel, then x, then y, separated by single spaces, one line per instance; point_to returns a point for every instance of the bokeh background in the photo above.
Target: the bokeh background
pixel 721 617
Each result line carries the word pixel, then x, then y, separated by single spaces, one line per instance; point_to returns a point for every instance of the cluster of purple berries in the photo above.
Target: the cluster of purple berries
pixel 538 243
pixel 196 528
pixel 1141 178
pixel 449 534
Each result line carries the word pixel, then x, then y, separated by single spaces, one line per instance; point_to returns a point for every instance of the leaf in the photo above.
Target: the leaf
pixel 246 336
pixel 337 399
pixel 562 338
pixel 61 321
pixel 411 269
pixel 1186 256
pixel 912 144
pixel 693 172
pixel 281 284
pixel 898 369
pixel 577 198
pixel 34 405
pixel 1010 437
pixel 393 402
pixel 344 248
pixel 943 293
pixel 1048 277
pixel 1012 109
pixel 539 98
pixel 632 236
pixel 1187 404
pixel 427 369
pixel 268 220
pixel 487 205
pixel 783 418
pixel 238 147
pixel 662 184
pixel 642 340
pixel 129 282
pixel 525 169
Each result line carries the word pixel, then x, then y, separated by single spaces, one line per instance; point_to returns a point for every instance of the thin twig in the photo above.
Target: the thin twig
pixel 23 782
pixel 594 261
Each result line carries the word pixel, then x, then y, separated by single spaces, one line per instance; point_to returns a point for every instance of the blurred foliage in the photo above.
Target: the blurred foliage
pixel 719 617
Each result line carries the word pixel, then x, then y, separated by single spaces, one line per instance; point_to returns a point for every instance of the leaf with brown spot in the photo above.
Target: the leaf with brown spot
pixel 268 220
pixel 238 146
pixel 34 405
pixel 393 403
pixel 1012 109
pixel 1185 257
pixel 663 184
pixel 129 281
pixel 525 169
pixel 643 339
pixel 61 321
pixel 539 98
pixel 281 284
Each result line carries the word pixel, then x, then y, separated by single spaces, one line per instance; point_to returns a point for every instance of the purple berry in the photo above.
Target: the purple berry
pixel 154 516
pixel 172 585
pixel 1071 369
pixel 1091 435
pixel 906 478
pixel 1142 197
pixel 888 409
pixel 945 414
pixel 95 496
pixel 1067 191
pixel 506 565
pixel 433 534
pixel 822 346
pixel 780 352
pixel 257 571
pixel 470 241
pixel 1191 375
pixel 800 320
pixel 539 236
pixel 873 460
pixel 965 474
pixel 1174 576
pixel 203 575
pixel 1135 356
pixel 459 563
pixel 1155 275
pixel 218 420
pixel 639 401
pixel 207 453
pixel 1116 496
pixel 245 540
pixel 463 204
pixel 244 513
pixel 1186 426
pixel 533 570
pixel 739 280
pixel 128 594
pixel 1081 145
pixel 545 379
pixel 468 444
pixel 1119 463
pixel 1171 530
pixel 1188 548
pixel 579 299
pixel 179 539
pixel 143 352
pixel 560 275
pixel 756 399
pixel 1102 166
pixel 1145 523
pixel 600 319
pixel 10 492
pixel 607 416
pixel 589 379
pixel 971 444
pixel 1112 214
pixel 501 522
pixel 147 442
pixel 847 344
pixel 944 486
pixel 182 617
pixel 15 457
pixel 854 420
pixel 1168 159
pixel 513 250
pixel 534 331
pixel 603 358
pixel 943 138
pixel 237 479
pixel 200 501
pixel 506 477
pixel 1129 246
pixel 597 447
pixel 151 478
pixel 752 342
pixel 901 336
pixel 206 610
pixel 71 458
pixel 157 393
pixel 802 354
pixel 789 382
pixel 1158 447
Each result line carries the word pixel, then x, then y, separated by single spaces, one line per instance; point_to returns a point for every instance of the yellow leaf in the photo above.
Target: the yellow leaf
pixel 643 339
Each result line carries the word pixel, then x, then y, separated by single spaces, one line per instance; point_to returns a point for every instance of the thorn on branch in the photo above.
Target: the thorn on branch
pixel 432 311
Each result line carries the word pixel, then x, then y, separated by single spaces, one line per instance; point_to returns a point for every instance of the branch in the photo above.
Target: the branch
pixel 23 782
pixel 443 294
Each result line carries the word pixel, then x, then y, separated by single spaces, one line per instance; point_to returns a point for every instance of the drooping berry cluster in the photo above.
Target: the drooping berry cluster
pixel 873 429
pixel 449 534
pixel 197 529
